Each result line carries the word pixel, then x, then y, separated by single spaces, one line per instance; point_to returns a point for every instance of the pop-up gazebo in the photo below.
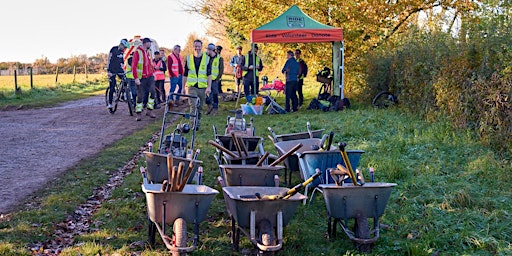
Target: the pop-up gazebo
pixel 294 26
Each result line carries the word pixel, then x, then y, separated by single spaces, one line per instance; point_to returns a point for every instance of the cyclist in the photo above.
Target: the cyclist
pixel 115 67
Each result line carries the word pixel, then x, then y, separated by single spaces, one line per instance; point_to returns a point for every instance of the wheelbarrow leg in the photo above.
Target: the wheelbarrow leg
pixel 151 232
pixel 235 235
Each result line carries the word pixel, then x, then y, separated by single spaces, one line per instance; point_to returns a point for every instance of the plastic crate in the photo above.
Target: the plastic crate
pixel 252 109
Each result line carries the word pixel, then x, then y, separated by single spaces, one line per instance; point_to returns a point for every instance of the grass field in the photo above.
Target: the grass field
pixel 46 91
pixel 453 195
pixel 46 81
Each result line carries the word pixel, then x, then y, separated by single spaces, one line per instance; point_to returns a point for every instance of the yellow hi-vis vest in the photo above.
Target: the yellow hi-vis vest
pixel 258 62
pixel 198 77
pixel 140 66
pixel 215 67
pixel 128 68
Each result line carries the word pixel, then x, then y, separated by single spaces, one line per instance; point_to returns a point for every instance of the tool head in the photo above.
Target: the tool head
pixel 341 146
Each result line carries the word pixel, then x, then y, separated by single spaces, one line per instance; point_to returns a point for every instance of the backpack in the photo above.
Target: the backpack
pixel 323 93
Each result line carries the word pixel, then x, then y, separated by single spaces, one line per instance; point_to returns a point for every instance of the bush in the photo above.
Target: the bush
pixel 435 74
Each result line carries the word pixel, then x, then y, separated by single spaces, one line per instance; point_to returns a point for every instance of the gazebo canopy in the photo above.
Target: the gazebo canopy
pixel 294 26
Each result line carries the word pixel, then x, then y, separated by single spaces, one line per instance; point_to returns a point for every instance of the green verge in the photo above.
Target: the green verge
pixel 453 195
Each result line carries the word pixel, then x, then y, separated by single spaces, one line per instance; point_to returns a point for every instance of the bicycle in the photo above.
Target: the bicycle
pixel 384 99
pixel 122 93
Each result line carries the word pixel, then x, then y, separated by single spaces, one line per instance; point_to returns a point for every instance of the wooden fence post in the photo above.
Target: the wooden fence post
pixel 85 67
pixel 57 75
pixel 31 79
pixel 74 73
pixel 16 81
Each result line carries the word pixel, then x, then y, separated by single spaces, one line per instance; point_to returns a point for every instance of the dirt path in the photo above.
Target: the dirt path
pixel 40 144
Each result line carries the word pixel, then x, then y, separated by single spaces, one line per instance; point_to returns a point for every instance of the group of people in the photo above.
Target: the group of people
pixel 198 75
pixel 246 69
pixel 295 69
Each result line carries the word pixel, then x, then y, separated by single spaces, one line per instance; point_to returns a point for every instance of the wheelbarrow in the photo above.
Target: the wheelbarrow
pixel 292 162
pixel 296 136
pixel 177 208
pixel 359 203
pixel 156 166
pixel 262 221
pixel 234 149
pixel 310 160
pixel 250 175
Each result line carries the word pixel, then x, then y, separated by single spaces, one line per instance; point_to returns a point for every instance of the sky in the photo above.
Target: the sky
pixel 57 29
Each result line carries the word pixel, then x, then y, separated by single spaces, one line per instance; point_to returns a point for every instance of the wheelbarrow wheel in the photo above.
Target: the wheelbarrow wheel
pixel 266 232
pixel 180 232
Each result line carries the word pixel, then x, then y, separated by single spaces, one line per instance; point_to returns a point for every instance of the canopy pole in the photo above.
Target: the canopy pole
pixel 253 71
pixel 337 68
pixel 342 67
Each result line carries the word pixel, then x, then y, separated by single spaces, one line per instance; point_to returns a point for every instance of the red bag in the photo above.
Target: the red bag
pixel 238 73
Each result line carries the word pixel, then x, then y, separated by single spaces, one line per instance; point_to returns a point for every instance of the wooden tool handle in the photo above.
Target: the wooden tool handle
pixel 237 145
pixel 223 149
pixel 286 155
pixel 242 145
pixel 262 159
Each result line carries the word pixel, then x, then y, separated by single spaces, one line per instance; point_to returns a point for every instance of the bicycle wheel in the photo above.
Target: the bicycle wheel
pixel 384 99
pixel 115 100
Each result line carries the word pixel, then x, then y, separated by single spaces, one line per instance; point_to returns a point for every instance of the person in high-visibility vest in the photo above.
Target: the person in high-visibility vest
pixel 129 77
pixel 249 66
pixel 303 72
pixel 142 70
pixel 217 63
pixel 160 68
pixel 197 77
pixel 175 67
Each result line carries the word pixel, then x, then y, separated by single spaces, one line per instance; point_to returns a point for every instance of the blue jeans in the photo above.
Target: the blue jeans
pixel 176 81
pixel 291 95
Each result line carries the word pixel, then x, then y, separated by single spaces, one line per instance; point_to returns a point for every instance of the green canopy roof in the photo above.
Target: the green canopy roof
pixel 294 26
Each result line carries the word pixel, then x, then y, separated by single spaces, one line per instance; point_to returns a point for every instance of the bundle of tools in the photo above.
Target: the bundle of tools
pixel 340 173
pixel 178 175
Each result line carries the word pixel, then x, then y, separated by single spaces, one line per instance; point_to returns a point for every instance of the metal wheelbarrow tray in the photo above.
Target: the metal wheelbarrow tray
pixel 292 162
pixel 265 219
pixel 299 135
pixel 251 142
pixel 249 175
pixel 156 166
pixel 177 209
pixel 359 203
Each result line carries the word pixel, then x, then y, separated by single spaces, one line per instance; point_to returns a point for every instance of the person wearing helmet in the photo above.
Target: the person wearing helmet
pixel 115 66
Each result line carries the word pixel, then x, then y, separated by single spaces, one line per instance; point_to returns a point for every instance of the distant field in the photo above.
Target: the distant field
pixel 43 81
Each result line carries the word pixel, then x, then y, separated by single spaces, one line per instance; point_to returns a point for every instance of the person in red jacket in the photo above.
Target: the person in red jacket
pixel 160 68
pixel 175 67
pixel 142 68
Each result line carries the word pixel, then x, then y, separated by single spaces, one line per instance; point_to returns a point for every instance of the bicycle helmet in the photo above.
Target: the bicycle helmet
pixel 125 43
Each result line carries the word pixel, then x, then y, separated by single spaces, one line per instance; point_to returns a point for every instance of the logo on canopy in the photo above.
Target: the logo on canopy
pixel 295 21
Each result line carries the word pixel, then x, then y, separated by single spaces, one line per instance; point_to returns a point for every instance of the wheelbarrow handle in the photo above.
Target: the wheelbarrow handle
pixel 286 155
pixel 308 125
